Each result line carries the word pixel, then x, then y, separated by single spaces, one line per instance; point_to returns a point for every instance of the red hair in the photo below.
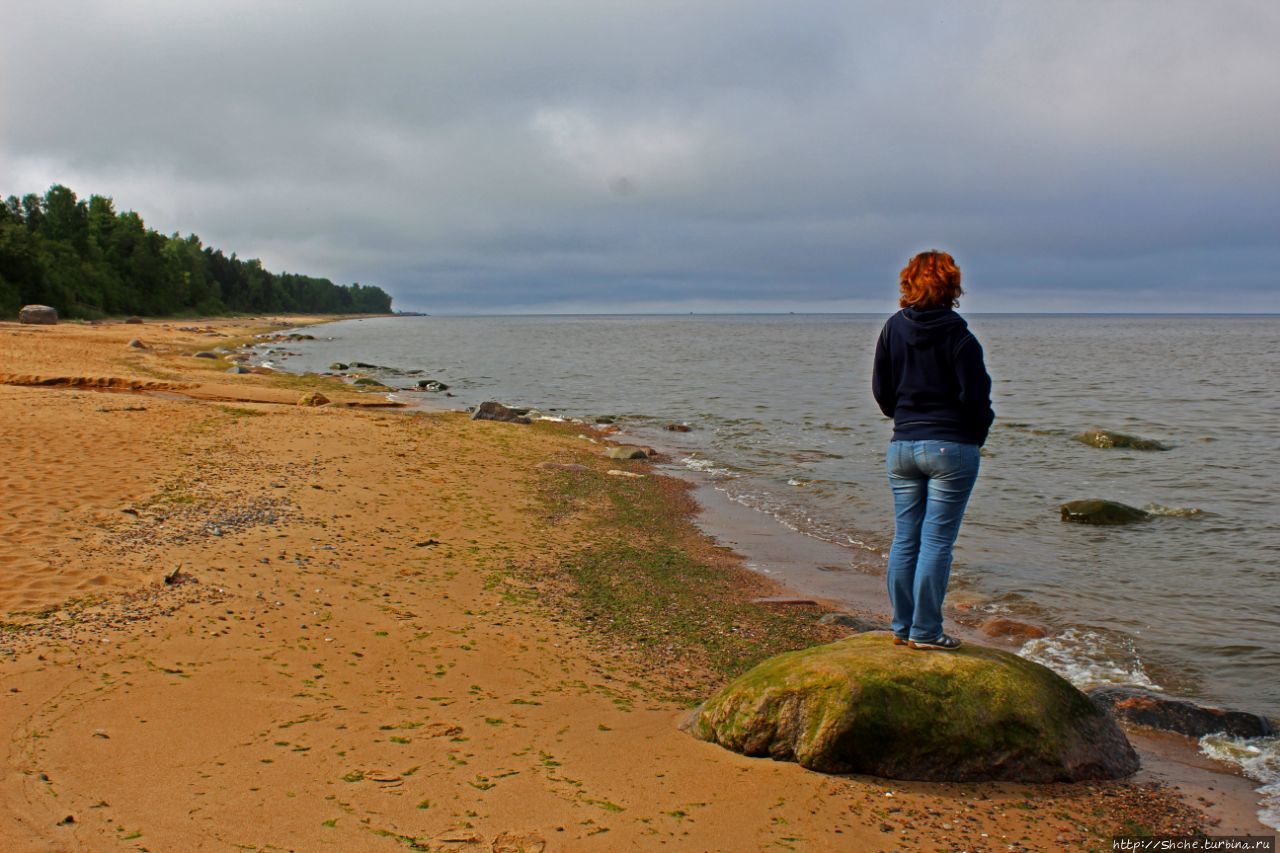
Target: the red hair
pixel 930 280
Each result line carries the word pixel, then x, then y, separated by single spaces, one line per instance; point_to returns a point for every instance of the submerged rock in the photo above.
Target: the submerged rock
pixel 864 705
pixel 673 427
pixel 38 315
pixel 365 382
pixel 432 385
pixel 1096 511
pixel 1106 439
pixel 337 365
pixel 494 411
pixel 1178 715
pixel 999 626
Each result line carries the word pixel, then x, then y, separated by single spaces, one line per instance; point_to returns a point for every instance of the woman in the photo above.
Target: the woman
pixel 930 378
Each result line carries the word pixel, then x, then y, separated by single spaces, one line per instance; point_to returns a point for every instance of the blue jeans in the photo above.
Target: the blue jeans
pixel 931 482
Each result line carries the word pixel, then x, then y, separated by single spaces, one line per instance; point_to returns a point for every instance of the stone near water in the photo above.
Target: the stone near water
pixel 370 383
pixel 337 365
pixel 313 398
pixel 1097 511
pixel 864 705
pixel 562 466
pixel 237 370
pixel 38 315
pixel 432 385
pixel 998 626
pixel 1166 713
pixel 628 451
pixel 491 410
pixel 857 624
pixel 205 354
pixel 1106 439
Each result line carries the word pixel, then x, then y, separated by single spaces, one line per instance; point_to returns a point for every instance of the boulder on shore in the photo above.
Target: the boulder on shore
pixel 1106 439
pixel 864 705
pixel 38 315
pixel 1096 511
pixel 628 451
pixel 494 411
pixel 313 398
pixel 855 623
pixel 1145 708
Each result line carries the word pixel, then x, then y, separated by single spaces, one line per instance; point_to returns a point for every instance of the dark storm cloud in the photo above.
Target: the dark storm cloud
pixel 661 155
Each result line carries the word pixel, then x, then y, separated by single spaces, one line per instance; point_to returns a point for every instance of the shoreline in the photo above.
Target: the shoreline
pixel 381 646
pixel 844 579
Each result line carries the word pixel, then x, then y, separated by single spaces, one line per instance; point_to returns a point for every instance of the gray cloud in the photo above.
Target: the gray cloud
pixel 659 155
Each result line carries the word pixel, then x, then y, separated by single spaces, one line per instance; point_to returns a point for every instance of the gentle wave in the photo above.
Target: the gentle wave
pixel 1257 758
pixel 1175 511
pixel 1087 657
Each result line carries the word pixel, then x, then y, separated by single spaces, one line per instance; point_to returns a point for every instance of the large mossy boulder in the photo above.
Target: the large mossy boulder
pixel 864 705
pixel 1106 439
pixel 1097 511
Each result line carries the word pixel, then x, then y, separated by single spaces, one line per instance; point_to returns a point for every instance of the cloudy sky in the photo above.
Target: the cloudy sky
pixel 610 155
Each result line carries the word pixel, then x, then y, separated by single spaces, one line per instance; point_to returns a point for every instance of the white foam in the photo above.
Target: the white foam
pixel 1257 758
pixel 706 466
pixel 1086 658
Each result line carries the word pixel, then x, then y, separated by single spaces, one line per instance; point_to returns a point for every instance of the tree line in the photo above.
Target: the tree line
pixel 88 261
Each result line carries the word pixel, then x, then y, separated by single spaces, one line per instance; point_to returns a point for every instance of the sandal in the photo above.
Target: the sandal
pixel 944 643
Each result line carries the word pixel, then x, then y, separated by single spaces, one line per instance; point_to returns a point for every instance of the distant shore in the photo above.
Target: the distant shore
pixel 352 626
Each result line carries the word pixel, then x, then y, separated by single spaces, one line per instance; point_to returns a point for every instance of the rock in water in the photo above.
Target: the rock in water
pixel 1106 439
pixel 1095 511
pixel 337 365
pixel 38 315
pixel 1178 715
pixel 999 626
pixel 864 705
pixel 492 411
pixel 313 398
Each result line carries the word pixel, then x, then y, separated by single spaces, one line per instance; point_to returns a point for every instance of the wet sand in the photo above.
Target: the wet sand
pixel 345 658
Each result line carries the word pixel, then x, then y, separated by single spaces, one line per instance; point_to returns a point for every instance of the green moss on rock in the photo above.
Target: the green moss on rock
pixel 864 705
pixel 1106 439
pixel 1096 511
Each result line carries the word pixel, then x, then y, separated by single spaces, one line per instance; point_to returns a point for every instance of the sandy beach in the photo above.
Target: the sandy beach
pixel 229 621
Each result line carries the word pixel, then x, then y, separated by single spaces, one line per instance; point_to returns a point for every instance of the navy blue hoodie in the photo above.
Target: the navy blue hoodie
pixel 930 378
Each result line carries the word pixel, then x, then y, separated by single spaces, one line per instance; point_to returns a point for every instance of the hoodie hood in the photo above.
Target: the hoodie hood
pixel 934 324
